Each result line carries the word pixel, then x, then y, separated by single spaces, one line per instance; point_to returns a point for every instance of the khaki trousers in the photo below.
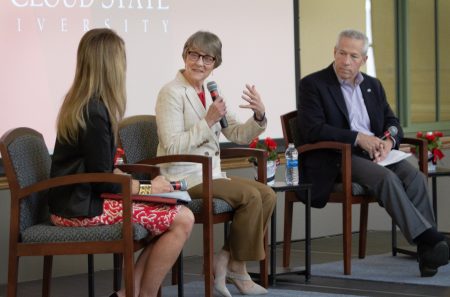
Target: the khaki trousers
pixel 253 204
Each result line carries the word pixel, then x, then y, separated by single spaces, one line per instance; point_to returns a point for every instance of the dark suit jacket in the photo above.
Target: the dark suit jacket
pixel 323 116
pixel 92 152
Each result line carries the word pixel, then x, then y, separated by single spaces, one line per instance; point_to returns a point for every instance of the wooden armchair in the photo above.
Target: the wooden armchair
pixel 138 137
pixel 27 166
pixel 347 193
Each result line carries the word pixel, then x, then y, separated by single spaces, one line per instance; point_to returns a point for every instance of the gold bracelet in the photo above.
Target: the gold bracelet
pixel 145 189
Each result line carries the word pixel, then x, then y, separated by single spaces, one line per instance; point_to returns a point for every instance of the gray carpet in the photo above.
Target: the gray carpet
pixel 196 289
pixel 385 268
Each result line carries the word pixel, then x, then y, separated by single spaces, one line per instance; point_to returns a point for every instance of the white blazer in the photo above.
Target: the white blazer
pixel 182 129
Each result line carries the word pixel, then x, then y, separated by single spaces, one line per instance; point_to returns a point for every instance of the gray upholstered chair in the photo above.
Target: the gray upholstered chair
pixel 346 192
pixel 138 138
pixel 27 166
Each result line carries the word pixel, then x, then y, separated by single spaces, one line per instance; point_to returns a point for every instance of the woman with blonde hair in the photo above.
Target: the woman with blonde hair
pixel 86 142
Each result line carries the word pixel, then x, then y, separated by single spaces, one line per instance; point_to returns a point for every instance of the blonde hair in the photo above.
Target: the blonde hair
pixel 100 74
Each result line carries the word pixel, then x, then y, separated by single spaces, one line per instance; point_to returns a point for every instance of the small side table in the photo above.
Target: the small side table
pixel 440 171
pixel 283 187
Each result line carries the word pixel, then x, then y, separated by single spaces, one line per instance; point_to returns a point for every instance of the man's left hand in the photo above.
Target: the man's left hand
pixel 383 150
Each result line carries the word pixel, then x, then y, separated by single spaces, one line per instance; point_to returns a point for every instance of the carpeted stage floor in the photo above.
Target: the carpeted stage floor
pixel 196 289
pixel 384 268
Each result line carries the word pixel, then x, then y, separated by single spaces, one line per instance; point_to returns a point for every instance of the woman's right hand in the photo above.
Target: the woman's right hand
pixel 216 111
pixel 161 185
pixel 134 183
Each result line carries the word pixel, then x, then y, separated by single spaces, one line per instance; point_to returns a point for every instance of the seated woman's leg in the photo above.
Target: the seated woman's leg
pixel 253 203
pixel 173 225
pixel 165 252
pixel 268 197
pixel 158 257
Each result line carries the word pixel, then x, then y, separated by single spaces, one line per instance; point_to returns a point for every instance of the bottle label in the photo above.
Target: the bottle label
pixel 292 163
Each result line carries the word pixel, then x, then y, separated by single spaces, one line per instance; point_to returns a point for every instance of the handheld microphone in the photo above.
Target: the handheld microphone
pixel 390 132
pixel 179 185
pixel 212 88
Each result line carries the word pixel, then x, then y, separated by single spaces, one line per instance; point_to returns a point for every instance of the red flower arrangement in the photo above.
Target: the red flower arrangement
pixel 118 157
pixel 269 145
pixel 434 144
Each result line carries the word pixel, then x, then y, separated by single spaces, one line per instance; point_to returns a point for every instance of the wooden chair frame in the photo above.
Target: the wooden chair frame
pixel 345 197
pixel 126 246
pixel 207 218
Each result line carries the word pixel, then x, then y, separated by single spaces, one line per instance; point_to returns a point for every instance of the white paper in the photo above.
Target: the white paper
pixel 394 156
pixel 179 195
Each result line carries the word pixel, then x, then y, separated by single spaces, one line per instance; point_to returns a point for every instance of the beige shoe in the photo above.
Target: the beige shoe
pixel 237 280
pixel 220 273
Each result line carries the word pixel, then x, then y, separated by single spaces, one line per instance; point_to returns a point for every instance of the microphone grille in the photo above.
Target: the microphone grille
pixel 212 86
pixel 393 131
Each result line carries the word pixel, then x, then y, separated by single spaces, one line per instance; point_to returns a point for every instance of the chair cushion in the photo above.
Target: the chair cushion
pixel 219 206
pixel 357 189
pixel 139 139
pixel 49 233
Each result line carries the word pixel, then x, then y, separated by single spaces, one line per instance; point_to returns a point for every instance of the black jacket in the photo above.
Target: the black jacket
pixel 93 152
pixel 323 116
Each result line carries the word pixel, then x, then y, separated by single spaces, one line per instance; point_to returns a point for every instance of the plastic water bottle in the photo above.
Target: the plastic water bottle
pixel 291 165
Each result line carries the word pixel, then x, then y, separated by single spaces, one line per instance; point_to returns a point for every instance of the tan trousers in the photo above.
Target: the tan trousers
pixel 253 203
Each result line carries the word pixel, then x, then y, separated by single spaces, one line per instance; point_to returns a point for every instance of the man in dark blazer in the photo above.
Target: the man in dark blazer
pixel 339 103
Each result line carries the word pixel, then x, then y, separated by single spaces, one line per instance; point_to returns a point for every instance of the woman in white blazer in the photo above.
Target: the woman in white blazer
pixel 188 123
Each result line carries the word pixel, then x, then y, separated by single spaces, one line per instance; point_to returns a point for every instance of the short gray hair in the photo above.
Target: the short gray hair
pixel 354 34
pixel 207 42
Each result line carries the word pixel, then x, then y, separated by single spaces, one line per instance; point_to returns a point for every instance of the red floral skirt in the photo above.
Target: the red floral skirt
pixel 156 218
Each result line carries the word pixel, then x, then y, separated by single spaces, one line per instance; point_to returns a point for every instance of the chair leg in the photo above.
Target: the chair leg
pixel 117 278
pixel 175 272
pixel 288 209
pixel 48 262
pixel 347 241
pixel 91 288
pixel 128 263
pixel 264 263
pixel 208 249
pixel 226 231
pixel 13 269
pixel 364 216
pixel 180 275
pixel 394 239
pixel 159 292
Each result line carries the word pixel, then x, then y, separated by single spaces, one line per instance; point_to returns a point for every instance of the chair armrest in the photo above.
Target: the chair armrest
pixel 206 163
pixel 346 159
pixel 237 152
pixel 151 170
pixel 176 158
pixel 123 180
pixel 422 154
pixel 259 154
pixel 332 145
